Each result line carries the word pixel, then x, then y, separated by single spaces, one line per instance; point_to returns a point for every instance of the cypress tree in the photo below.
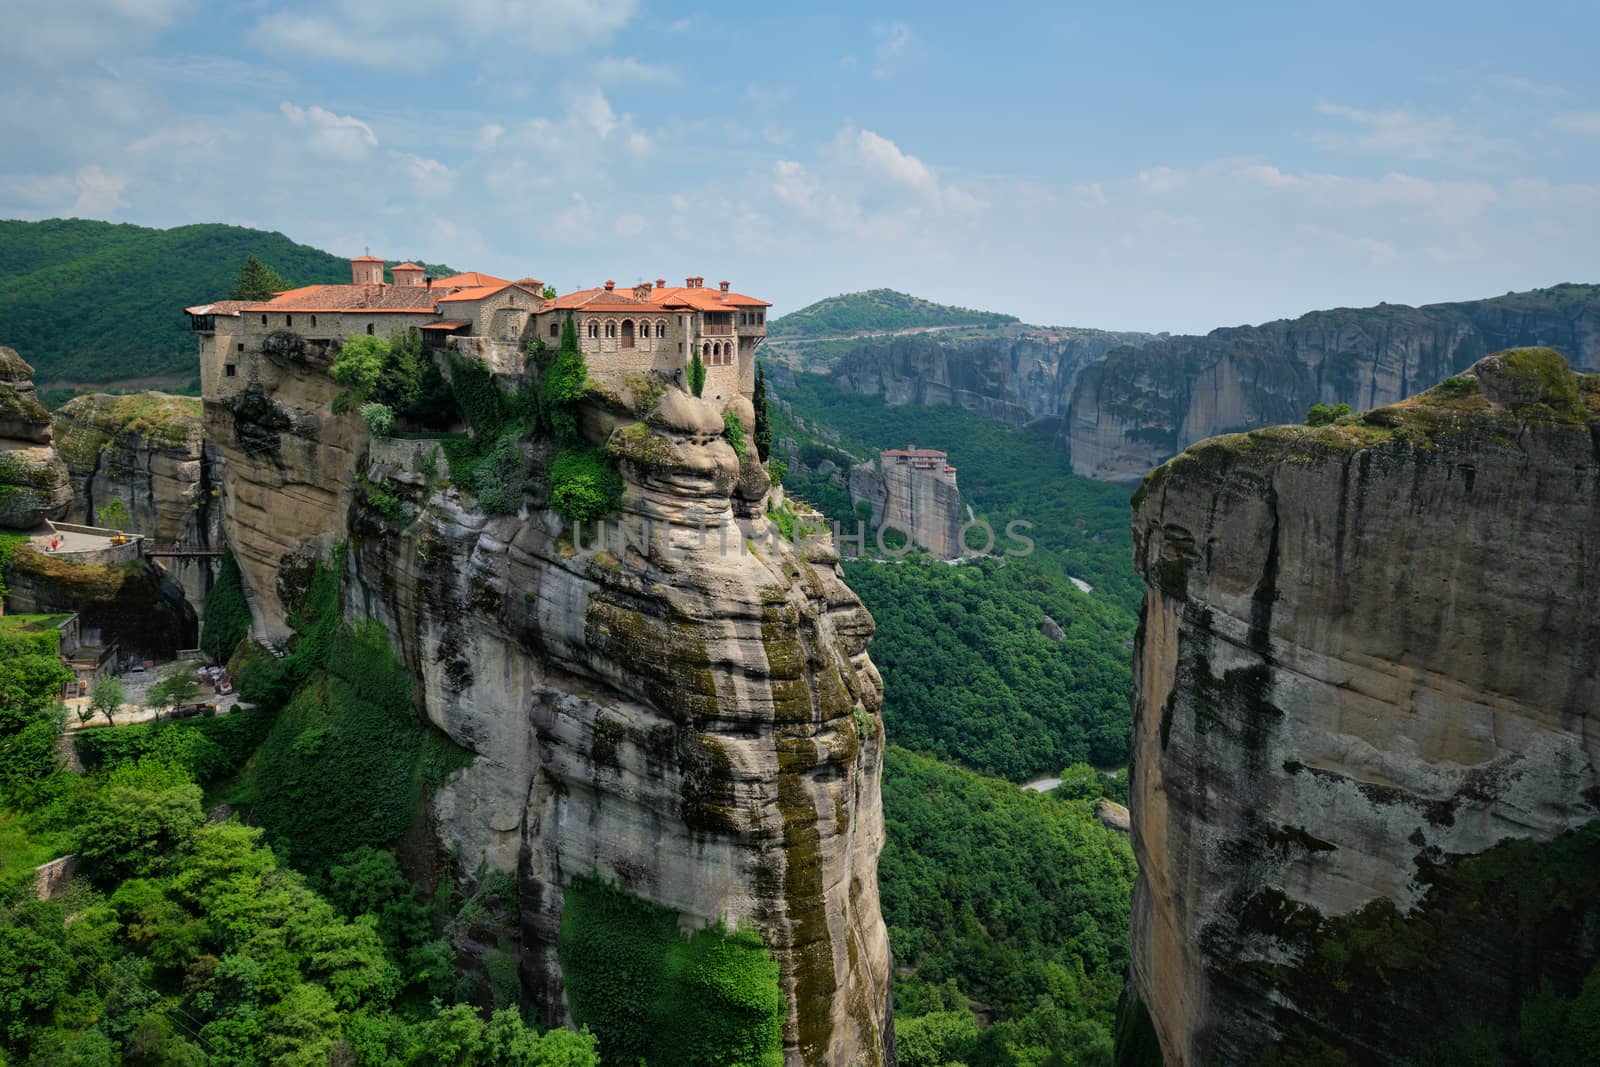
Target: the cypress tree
pixel 763 423
pixel 257 281
pixel 697 374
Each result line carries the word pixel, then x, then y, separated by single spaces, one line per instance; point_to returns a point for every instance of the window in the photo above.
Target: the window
pixel 611 329
pixel 555 329
pixel 313 321
pixel 594 330
pixel 661 329
pixel 288 320
pixel 230 370
pixel 241 346
pixel 369 329
pixel 263 320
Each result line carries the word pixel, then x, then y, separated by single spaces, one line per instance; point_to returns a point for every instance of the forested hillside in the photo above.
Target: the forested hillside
pixel 1028 703
pixel 877 310
pixel 87 301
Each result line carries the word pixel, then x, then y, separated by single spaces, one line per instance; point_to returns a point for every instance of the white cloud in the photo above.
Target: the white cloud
pixel 429 177
pixel 896 44
pixel 332 136
pixel 489 134
pixel 1162 179
pixel 411 33
pixel 882 156
pixel 1578 122
pixel 1524 85
pixel 592 109
pixel 1406 135
pixel 629 69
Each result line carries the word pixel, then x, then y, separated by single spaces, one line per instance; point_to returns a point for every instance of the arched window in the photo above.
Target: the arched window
pixel 611 329
pixel 661 329
pixel 705 350
pixel 594 331
pixel 555 329
pixel 263 320
pixel 627 333
pixel 369 329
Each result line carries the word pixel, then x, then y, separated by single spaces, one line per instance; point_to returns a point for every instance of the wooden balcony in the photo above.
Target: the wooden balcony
pixel 716 329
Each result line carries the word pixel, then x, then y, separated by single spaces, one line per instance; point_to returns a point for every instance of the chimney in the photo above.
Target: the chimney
pixel 688 283
pixel 661 283
pixel 724 286
pixel 610 285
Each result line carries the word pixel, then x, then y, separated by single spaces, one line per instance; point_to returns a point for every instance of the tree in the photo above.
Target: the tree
pixel 107 700
pixel 763 420
pixel 115 515
pixel 549 292
pixel 177 686
pixel 564 382
pixel 358 367
pixel 257 281
pixel 697 374
pixel 379 418
pixel 1322 415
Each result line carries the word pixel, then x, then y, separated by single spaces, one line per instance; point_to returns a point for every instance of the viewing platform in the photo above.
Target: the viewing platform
pixel 86 545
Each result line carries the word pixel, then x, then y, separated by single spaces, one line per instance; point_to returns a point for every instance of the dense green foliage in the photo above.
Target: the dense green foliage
pixel 1023 703
pixel 584 485
pixel 127 287
pixel 256 281
pixel 348 758
pixel 563 383
pixel 1033 705
pixel 489 463
pixel 650 993
pixel 227 614
pixel 1322 414
pixel 31 717
pixel 879 310
pixel 1007 897
pixel 208 749
pixel 184 941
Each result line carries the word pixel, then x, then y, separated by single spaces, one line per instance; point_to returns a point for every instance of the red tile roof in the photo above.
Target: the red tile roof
pixel 667 297
pixel 470 279
pixel 218 307
pixel 415 299
pixel 366 259
pixel 479 292
pixel 406 266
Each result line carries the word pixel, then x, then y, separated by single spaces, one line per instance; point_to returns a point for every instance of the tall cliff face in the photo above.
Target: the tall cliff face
pixel 1017 376
pixel 1370 654
pixel 920 500
pixel 697 722
pixel 140 462
pixel 33 480
pixel 1136 407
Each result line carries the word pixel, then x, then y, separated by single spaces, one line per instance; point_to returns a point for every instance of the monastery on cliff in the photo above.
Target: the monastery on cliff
pixel 632 330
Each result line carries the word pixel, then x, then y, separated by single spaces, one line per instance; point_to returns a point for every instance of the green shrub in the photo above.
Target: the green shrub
pixel 1322 415
pixel 648 992
pixel 378 417
pixel 584 486
pixel 563 384
pixel 227 614
pixel 208 748
pixel 733 433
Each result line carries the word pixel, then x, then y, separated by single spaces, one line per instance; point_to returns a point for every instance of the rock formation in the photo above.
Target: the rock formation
pixel 697 721
pixel 139 462
pixel 1137 406
pixel 1015 375
pixel 33 480
pixel 913 491
pixel 1366 761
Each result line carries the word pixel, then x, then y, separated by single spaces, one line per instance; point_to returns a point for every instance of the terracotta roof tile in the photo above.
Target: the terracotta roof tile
pixel 471 279
pixel 405 266
pixel 479 292
pixel 366 259
pixel 412 298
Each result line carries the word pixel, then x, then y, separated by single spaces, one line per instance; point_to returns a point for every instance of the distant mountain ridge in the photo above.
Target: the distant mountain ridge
pixel 876 311
pixel 96 301
pixel 1136 407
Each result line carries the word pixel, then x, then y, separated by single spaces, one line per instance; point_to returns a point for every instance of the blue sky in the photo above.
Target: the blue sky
pixel 1152 166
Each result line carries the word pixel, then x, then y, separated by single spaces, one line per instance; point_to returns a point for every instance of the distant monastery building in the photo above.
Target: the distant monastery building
pixel 628 330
